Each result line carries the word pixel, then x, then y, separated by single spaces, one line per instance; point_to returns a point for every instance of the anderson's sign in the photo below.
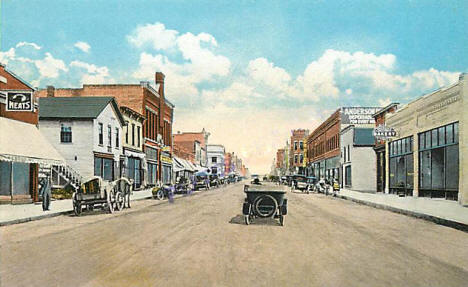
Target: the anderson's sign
pixel 19 102
pixel 358 115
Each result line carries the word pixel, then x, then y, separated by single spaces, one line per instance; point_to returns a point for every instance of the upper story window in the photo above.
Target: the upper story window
pixel 126 134
pixel 214 159
pixel 151 125
pixel 301 145
pixel 295 145
pixel 138 136
pixel 109 136
pixel 133 134
pixel 101 136
pixel 116 137
pixel 65 134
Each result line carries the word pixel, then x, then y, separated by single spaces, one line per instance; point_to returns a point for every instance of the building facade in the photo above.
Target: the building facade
pixel 148 100
pixel 24 152
pixel 358 159
pixel 196 143
pixel 216 159
pixel 381 134
pixel 297 148
pixel 132 162
pixel 87 132
pixel 428 157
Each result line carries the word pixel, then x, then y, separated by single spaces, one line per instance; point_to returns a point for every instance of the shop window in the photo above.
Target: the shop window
pixel 441 136
pixel 425 169
pixel 452 171
pixel 438 163
pixel 449 134
pixel 65 134
pixel 428 139
pixel 434 137
pixel 348 175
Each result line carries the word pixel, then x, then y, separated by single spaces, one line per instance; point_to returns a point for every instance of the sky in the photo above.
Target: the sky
pixel 247 71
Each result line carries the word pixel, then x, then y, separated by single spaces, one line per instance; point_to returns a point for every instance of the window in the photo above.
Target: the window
pixel 214 159
pixel 104 168
pixel 151 125
pixel 109 136
pixel 116 137
pixel 295 145
pixel 138 136
pixel 133 134
pixel 100 131
pixel 301 158
pixel 295 158
pixel 301 145
pixel 65 134
pixel 126 134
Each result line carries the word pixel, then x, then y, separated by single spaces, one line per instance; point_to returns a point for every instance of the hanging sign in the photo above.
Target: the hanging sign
pixel 19 101
pixel 384 133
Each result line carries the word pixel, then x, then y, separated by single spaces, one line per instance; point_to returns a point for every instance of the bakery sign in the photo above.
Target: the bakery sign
pixel 384 133
pixel 19 101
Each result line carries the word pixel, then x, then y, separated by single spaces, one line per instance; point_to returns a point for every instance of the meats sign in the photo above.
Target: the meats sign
pixel 19 102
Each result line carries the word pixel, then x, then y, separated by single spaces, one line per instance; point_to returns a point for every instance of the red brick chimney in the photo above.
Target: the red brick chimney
pixel 50 91
pixel 159 79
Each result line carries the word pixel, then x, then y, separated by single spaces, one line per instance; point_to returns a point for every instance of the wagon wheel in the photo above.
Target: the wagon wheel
pixel 128 199
pixel 160 194
pixel 119 201
pixel 281 220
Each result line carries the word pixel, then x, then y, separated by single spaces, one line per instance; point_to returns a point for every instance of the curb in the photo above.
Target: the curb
pixel 438 220
pixel 65 212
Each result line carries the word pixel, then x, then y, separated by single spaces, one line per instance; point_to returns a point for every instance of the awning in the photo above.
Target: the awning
pixel 177 165
pixel 130 153
pixel 22 142
pixel 188 166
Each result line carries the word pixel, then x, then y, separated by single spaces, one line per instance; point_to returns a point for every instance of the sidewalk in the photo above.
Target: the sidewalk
pixel 19 213
pixel 440 211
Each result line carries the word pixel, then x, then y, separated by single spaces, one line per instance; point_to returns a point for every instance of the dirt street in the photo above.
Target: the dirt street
pixel 202 241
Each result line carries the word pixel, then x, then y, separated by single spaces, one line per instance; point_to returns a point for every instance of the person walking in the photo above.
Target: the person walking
pixel 46 193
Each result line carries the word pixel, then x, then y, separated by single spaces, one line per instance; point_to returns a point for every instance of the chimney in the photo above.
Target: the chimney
pixel 159 81
pixel 50 91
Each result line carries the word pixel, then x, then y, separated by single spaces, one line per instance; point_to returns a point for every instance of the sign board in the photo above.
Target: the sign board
pixel 358 115
pixel 384 133
pixel 19 101
pixel 166 159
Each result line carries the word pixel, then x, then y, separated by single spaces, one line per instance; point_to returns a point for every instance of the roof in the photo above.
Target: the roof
pixel 76 107
pixel 385 109
pixel 25 143
pixel 364 137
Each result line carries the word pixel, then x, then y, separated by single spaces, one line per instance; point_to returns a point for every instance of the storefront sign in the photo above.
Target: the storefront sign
pixel 19 102
pixel 384 133
pixel 358 115
pixel 166 159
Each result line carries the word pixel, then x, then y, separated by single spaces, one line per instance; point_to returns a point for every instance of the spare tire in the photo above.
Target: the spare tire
pixel 265 205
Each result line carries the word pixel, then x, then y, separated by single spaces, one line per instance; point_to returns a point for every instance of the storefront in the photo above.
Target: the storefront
pixel 104 166
pixel 151 165
pixel 166 168
pixel 428 156
pixel 131 167
pixel 22 153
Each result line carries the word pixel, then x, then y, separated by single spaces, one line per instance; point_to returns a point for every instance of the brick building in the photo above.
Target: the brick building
pixel 228 167
pixel 324 148
pixel 195 143
pixel 379 147
pixel 151 103
pixel 23 150
pixel 297 148
pixel 280 158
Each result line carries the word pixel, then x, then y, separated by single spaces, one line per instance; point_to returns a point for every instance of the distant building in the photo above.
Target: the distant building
pixel 196 143
pixel 296 155
pixel 216 159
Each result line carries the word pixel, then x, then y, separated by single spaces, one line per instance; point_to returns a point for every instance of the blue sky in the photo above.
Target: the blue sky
pixel 288 62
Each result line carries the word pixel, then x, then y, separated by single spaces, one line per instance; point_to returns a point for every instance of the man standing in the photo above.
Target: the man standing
pixel 46 193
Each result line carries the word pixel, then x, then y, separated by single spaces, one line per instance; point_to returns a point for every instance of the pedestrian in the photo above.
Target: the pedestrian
pixel 46 193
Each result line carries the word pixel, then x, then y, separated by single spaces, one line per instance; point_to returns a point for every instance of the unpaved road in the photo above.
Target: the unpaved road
pixel 201 241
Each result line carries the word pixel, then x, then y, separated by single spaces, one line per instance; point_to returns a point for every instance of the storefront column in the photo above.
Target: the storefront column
pixel 387 167
pixel 415 165
pixel 463 143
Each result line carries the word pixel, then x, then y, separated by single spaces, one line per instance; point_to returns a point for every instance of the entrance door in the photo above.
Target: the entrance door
pixel 380 171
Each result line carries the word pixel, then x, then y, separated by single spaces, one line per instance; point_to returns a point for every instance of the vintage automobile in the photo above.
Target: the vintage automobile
pixel 264 201
pixel 97 192
pixel 214 180
pixel 202 180
pixel 304 183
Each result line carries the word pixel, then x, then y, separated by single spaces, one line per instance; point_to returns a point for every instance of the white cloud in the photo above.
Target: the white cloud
pixel 199 62
pixel 93 74
pixel 83 46
pixel 33 45
pixel 5 57
pixel 49 67
pixel 155 35
pixel 265 72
